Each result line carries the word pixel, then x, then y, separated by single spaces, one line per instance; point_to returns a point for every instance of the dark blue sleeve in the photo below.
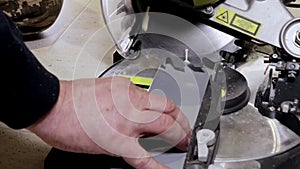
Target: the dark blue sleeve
pixel 29 91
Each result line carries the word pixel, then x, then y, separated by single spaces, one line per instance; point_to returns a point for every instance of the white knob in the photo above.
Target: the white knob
pixel 205 138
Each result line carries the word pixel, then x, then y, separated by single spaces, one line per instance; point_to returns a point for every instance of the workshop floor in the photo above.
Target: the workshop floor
pixel 78 33
pixel 76 46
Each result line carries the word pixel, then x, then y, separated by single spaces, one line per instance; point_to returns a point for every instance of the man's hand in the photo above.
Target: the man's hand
pixel 108 116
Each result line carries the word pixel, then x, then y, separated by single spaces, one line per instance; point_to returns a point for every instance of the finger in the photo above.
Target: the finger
pixel 181 118
pixel 159 103
pixel 138 157
pixel 145 163
pixel 155 102
pixel 162 104
pixel 164 126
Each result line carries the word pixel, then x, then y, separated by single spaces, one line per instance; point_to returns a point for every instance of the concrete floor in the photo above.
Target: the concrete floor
pixel 76 46
pixel 64 49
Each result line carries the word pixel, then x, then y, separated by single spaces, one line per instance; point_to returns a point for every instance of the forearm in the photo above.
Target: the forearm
pixel 28 89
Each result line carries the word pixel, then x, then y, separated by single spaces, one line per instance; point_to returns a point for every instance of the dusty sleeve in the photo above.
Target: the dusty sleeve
pixel 29 91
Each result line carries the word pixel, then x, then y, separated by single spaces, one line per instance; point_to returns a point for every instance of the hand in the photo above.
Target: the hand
pixel 107 116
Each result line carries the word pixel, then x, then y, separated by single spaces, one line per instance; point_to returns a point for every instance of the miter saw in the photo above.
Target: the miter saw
pixel 196 52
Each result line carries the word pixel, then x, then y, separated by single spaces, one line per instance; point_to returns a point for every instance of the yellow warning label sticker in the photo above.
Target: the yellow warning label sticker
pixel 144 82
pixel 237 22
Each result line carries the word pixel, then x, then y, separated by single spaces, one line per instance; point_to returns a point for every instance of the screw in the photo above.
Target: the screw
pixel 292 66
pixel 208 10
pixel 274 56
